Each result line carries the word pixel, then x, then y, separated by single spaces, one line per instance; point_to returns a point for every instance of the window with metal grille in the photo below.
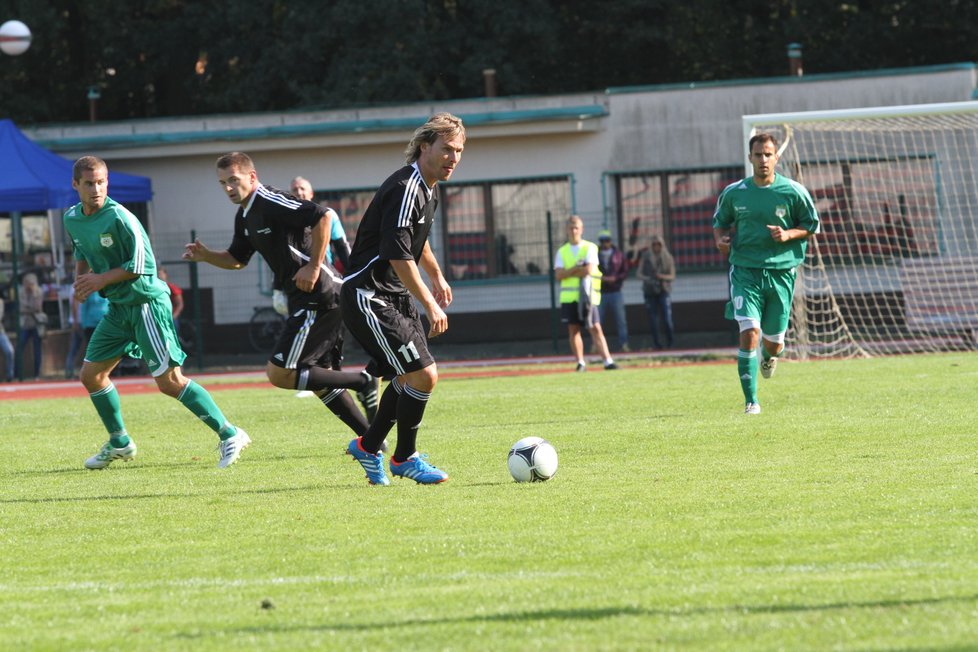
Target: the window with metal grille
pixel 678 206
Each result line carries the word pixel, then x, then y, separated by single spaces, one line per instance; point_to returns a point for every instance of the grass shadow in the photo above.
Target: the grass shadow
pixel 592 614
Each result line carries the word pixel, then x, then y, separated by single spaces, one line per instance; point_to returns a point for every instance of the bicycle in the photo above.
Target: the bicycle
pixel 264 328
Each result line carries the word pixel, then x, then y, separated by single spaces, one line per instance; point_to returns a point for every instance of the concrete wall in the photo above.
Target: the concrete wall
pixel 675 127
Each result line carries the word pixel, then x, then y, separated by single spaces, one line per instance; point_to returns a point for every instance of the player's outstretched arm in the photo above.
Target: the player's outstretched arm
pixel 198 253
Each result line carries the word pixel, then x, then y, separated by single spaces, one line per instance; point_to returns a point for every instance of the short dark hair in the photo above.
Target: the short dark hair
pixel 762 137
pixel 87 163
pixel 238 159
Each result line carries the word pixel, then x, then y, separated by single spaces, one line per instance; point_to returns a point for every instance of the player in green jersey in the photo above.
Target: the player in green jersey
pixel 113 257
pixel 762 223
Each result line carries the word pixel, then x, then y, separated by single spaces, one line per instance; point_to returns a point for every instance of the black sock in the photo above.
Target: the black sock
pixel 317 378
pixel 341 404
pixel 410 412
pixel 381 426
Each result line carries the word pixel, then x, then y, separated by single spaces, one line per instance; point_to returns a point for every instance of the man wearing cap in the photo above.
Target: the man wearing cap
pixel 614 269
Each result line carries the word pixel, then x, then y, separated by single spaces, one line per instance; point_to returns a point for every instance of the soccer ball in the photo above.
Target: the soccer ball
pixel 532 459
pixel 15 37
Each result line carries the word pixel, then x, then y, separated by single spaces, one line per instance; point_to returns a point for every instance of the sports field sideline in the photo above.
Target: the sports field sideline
pixel 238 378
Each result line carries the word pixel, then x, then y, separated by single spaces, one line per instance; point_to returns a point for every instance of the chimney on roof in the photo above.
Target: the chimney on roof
pixel 794 60
pixel 489 78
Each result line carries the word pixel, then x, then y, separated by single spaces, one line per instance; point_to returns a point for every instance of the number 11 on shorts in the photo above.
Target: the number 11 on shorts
pixel 409 351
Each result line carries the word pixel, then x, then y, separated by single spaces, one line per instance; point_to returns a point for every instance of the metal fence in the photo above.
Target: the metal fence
pixel 503 289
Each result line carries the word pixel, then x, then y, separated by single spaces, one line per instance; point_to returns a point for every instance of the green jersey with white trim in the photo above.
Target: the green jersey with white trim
pixel 111 238
pixel 749 209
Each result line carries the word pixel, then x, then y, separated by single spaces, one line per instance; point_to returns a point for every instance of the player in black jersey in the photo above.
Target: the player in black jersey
pixel 380 291
pixel 292 235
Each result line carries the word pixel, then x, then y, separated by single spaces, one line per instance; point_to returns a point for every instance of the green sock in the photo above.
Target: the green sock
pixel 106 401
pixel 747 370
pixel 764 352
pixel 197 399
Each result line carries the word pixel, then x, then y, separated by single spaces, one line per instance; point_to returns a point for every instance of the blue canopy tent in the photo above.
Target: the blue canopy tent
pixel 34 180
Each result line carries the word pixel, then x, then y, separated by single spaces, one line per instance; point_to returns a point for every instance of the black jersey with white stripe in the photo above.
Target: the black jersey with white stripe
pixel 395 226
pixel 277 225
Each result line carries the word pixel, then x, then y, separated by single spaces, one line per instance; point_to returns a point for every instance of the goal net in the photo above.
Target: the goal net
pixel 895 267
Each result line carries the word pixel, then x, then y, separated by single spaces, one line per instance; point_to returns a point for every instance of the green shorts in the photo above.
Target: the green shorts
pixel 144 331
pixel 761 298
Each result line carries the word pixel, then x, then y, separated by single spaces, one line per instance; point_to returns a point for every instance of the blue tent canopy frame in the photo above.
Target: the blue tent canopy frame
pixel 32 179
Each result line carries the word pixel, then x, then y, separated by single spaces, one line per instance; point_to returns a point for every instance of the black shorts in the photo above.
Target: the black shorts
pixel 389 329
pixel 570 313
pixel 311 338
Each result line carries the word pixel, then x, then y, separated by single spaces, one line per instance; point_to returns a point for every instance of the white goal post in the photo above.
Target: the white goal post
pixel 895 268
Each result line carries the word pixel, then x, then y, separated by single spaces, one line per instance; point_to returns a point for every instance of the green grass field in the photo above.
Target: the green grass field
pixel 843 517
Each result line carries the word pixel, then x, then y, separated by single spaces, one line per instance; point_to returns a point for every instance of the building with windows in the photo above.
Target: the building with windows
pixel 638 161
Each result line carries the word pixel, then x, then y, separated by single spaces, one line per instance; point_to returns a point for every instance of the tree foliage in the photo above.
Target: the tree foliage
pixel 180 57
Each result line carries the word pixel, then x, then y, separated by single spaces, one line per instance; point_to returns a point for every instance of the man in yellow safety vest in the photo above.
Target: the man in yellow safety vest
pixel 576 267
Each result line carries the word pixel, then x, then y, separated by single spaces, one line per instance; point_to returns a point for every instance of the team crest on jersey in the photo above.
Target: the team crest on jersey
pixel 780 210
pixel 106 239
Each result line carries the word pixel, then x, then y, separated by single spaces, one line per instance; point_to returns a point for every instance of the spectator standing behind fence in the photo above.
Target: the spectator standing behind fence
pixel 614 270
pixel 33 321
pixel 338 251
pixel 176 297
pixel 657 270
pixel 576 267
pixel 85 316
pixel 6 347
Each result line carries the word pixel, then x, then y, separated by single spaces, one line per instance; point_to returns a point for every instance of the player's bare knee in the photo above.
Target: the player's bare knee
pixel 423 380
pixel 94 378
pixel 93 382
pixel 169 387
pixel 171 382
pixel 749 338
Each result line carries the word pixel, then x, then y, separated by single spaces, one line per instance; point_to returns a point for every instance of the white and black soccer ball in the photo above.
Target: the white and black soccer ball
pixel 532 459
